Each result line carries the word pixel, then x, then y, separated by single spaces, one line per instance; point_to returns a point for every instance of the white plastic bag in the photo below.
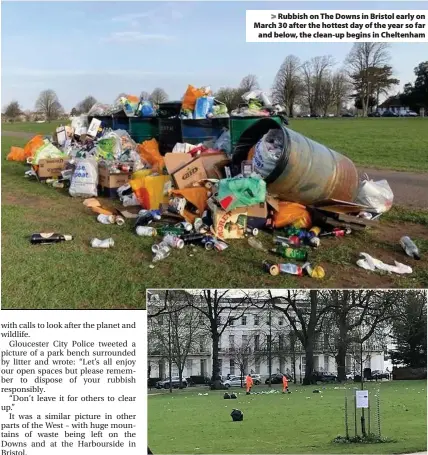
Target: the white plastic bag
pixel 84 180
pixel 267 153
pixel 376 195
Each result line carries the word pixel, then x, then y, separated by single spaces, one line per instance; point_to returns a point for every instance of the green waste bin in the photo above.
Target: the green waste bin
pixel 143 128
pixel 239 124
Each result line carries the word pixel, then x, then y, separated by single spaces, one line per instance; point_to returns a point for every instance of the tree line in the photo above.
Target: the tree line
pixel 349 321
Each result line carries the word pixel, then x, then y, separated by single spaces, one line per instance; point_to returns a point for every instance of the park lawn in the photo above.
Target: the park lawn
pixel 302 422
pixel 386 143
pixel 46 128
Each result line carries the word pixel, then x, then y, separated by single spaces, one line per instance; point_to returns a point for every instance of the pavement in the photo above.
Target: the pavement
pixel 410 188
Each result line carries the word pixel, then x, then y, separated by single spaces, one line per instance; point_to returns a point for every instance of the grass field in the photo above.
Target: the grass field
pixel 73 275
pixel 394 143
pixel 302 422
pixel 33 127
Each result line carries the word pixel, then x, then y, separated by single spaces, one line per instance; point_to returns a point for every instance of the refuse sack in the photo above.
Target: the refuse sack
pixel 149 152
pixel 237 415
pixel 204 106
pixel 198 197
pixel 46 152
pixel 267 152
pixel 84 180
pixel 34 144
pixel 16 154
pixel 306 171
pixel 150 190
pixel 291 213
pixel 241 192
pixel 223 143
pixel 190 97
pixel 376 195
pixel 109 147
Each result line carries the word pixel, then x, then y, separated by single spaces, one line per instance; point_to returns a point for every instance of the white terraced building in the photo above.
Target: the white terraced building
pixel 245 343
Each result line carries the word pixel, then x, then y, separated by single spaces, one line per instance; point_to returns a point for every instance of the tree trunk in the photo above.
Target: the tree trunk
pixel 342 348
pixel 180 377
pixel 309 366
pixel 215 378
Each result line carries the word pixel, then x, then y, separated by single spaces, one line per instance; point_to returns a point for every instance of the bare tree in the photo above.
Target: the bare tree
pixel 313 72
pixel 144 96
pixel 341 90
pixel 249 83
pixel 243 353
pixel 231 97
pixel 176 332
pixel 158 96
pixel 288 85
pixel 326 94
pixel 48 105
pixel 360 59
pixel 85 106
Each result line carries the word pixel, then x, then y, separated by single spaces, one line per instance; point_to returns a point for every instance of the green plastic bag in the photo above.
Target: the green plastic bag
pixel 47 152
pixel 106 148
pixel 241 192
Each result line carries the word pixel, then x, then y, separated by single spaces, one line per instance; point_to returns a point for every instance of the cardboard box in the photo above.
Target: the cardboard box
pixel 175 161
pixel 228 225
pixel 210 160
pixel 93 127
pixel 257 215
pixel 107 180
pixel 189 174
pixel 51 168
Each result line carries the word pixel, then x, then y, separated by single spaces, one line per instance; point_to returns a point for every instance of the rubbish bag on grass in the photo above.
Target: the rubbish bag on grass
pixel 31 146
pixel 376 195
pixel 46 152
pixel 16 154
pixel 291 213
pixel 150 190
pixel 84 180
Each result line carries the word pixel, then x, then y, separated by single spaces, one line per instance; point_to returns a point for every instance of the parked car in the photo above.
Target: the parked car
pixel 389 114
pixel 348 114
pixel 324 377
pixel 374 114
pixel 411 114
pixel 377 374
pixel 234 381
pixel 256 379
pixel 315 116
pixel 350 376
pixel 277 378
pixel 175 381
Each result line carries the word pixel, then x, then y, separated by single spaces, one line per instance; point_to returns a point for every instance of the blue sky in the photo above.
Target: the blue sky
pixel 104 48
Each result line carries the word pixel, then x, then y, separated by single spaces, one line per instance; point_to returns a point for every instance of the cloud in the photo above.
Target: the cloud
pixel 132 37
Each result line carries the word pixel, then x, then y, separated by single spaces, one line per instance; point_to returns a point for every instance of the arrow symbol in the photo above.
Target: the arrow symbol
pixel 273 16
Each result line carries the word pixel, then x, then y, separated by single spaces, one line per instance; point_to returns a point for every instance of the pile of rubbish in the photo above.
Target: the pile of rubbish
pixel 213 193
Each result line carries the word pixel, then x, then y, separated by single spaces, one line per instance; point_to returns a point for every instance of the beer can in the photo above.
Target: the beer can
pixel 273 269
pixel 120 221
pixel 252 231
pixel 187 226
pixel 315 230
pixel 173 241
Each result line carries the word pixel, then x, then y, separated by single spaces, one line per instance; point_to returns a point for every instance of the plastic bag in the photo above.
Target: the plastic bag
pixel 145 109
pixel 291 214
pixel 223 143
pixel 259 95
pixel 204 106
pixel 241 192
pixel 109 147
pixel 267 152
pixel 190 97
pixel 376 195
pixel 84 180
pixel 46 152
pixel 150 190
pixel 31 147
pixel 16 154
pixel 149 152
pixel 100 109
pixel 80 125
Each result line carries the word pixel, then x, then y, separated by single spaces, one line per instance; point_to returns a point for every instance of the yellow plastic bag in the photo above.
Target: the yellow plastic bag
pixel 198 196
pixel 190 97
pixel 149 152
pixel 150 190
pixel 16 154
pixel 292 214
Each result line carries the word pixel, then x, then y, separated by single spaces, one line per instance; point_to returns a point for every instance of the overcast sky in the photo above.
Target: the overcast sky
pixel 104 48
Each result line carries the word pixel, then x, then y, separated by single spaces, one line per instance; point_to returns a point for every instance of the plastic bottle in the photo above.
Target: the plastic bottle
pixel 252 241
pixel 336 232
pixel 146 231
pixel 174 230
pixel 49 238
pixel 292 253
pixel 192 238
pixel 163 252
pixel 409 247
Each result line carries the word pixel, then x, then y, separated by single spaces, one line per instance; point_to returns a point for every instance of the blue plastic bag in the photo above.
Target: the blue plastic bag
pixel 204 106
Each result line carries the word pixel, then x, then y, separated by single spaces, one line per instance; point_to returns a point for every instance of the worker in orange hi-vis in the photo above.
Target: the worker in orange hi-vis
pixel 249 383
pixel 284 383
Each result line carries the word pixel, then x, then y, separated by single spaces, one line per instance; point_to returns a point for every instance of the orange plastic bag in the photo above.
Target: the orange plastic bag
pixel 150 190
pixel 149 152
pixel 198 196
pixel 292 214
pixel 16 154
pixel 190 97
pixel 251 153
pixel 35 143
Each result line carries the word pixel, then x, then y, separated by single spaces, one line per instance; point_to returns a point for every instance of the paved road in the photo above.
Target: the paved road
pixel 410 188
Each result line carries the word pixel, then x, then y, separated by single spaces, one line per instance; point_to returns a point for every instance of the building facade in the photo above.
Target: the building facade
pixel 254 339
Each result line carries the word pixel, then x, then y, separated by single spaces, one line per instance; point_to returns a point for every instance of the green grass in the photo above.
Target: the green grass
pixel 33 127
pixel 302 422
pixel 391 143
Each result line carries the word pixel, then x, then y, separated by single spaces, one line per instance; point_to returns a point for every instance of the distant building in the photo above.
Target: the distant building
pixel 245 343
